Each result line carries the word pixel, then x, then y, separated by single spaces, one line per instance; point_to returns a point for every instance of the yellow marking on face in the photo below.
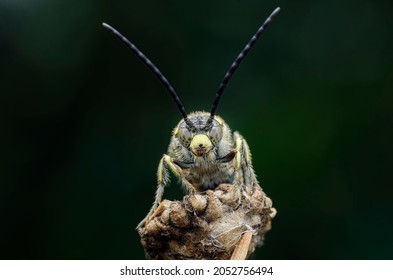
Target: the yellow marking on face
pixel 175 131
pixel 200 142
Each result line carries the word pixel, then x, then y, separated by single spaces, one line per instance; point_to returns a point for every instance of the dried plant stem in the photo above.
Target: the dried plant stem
pixel 241 250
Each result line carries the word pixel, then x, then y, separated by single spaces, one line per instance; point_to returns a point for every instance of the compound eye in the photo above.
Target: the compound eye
pixel 185 136
pixel 215 134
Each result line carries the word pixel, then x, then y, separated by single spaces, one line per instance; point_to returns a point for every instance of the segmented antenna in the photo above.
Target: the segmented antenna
pixel 236 63
pixel 154 69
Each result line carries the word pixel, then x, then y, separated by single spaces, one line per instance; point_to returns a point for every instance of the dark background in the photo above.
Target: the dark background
pixel 83 123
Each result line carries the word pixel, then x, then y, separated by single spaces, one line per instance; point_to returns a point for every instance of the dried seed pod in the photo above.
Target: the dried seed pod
pixel 228 195
pixel 179 215
pixel 214 207
pixel 209 225
pixel 196 203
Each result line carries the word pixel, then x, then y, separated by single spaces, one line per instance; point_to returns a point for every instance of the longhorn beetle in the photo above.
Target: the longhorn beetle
pixel 203 153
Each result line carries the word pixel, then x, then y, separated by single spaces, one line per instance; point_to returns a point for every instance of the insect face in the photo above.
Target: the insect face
pixel 203 153
pixel 200 138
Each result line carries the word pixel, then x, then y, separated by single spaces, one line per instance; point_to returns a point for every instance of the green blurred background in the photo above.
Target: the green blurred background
pixel 83 122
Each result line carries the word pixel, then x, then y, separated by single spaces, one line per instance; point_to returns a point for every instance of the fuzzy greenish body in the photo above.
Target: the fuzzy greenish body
pixel 204 172
pixel 203 157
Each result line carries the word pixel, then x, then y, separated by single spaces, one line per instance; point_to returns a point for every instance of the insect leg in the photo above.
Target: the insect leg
pixel 162 181
pixel 244 173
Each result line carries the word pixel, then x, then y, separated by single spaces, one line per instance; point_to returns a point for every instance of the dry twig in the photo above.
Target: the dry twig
pixel 242 247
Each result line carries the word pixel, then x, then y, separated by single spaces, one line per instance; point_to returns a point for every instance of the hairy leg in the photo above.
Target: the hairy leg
pixel 162 181
pixel 244 173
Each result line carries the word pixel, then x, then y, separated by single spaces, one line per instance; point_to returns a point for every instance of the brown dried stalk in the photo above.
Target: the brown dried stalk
pixel 242 247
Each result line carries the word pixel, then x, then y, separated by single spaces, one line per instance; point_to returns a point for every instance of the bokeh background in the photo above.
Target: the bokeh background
pixel 83 123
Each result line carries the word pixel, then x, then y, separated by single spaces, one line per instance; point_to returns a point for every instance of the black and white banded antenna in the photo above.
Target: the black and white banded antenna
pixel 236 64
pixel 155 71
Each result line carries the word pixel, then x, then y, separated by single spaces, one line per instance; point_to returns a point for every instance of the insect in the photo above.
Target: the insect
pixel 203 152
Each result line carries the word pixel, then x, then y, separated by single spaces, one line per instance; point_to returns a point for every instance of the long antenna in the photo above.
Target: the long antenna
pixel 236 63
pixel 154 69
